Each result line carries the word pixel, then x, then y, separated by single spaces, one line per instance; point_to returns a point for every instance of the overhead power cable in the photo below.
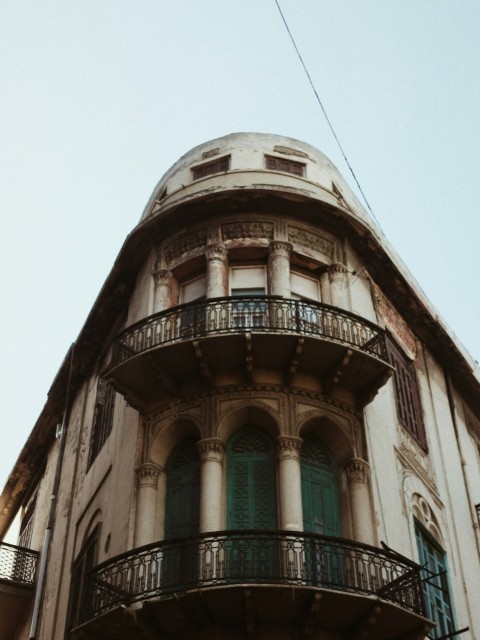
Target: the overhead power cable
pixel 323 110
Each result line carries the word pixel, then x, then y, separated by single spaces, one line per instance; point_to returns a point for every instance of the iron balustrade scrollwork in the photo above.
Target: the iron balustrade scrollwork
pixel 255 557
pixel 17 564
pixel 247 314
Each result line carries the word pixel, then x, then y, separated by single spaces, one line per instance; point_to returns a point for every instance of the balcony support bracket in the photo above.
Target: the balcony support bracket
pixel 144 620
pixel 248 356
pixel 295 360
pixel 360 630
pixel 249 614
pixel 311 616
pixel 164 378
pixel 204 369
pixel 334 376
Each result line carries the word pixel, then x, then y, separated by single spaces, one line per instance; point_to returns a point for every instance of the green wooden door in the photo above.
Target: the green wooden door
pixel 324 563
pixel 251 505
pixel 435 583
pixel 251 481
pixel 319 490
pixel 182 514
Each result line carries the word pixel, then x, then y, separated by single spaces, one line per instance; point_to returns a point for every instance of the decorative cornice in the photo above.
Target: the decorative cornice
pixel 357 470
pixel 289 447
pixel 211 449
pixel 147 475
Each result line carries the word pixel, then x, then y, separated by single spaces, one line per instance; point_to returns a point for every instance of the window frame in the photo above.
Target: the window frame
pixel 219 165
pixel 102 423
pixel 407 393
pixel 293 167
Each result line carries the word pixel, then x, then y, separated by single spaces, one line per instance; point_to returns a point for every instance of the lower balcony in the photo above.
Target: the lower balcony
pixel 255 584
pixel 264 339
pixel 17 574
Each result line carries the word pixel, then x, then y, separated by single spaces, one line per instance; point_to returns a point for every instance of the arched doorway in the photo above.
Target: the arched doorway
pixel 319 489
pixel 183 491
pixel 251 495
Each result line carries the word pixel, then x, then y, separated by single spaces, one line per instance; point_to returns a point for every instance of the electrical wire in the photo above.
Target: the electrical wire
pixel 324 111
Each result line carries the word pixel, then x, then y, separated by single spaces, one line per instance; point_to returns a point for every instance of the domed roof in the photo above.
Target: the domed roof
pixel 254 161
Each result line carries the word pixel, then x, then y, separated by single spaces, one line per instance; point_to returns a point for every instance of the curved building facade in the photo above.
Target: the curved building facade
pixel 267 430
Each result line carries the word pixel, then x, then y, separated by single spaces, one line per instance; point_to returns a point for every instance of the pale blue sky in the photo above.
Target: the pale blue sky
pixel 100 97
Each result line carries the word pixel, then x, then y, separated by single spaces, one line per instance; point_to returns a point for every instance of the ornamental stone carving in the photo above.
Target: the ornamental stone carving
pixel 311 240
pixel 280 249
pixel 147 475
pixel 184 243
pixel 163 277
pixel 215 252
pixel 357 471
pixel 211 449
pixel 289 447
pixel 247 229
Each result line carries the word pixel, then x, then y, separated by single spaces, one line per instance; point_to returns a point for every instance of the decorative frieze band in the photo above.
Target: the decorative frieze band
pixel 185 242
pixel 211 449
pixel 247 229
pixel 311 240
pixel 147 475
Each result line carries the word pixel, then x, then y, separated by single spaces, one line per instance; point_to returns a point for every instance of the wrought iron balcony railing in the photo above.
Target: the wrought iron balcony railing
pixel 253 557
pixel 17 564
pixel 256 314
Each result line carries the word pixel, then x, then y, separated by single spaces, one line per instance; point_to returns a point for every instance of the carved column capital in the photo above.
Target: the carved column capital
pixel 215 252
pixel 147 475
pixel 336 269
pixel 280 249
pixel 357 471
pixel 162 277
pixel 211 449
pixel 289 447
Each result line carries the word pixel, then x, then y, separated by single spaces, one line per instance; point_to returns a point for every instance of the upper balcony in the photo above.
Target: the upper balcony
pixel 17 574
pixel 261 339
pixel 261 581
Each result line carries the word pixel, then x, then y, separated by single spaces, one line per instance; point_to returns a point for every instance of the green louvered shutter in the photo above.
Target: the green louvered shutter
pixel 319 490
pixel 183 491
pixel 251 481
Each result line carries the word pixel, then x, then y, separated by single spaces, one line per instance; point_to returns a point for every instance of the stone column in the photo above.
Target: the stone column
pixel 211 452
pixel 290 483
pixel 217 281
pixel 325 287
pixel 146 512
pixel 338 285
pixel 357 471
pixel 279 268
pixel 163 289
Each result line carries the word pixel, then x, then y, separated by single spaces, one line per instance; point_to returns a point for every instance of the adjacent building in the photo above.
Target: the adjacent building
pixel 263 430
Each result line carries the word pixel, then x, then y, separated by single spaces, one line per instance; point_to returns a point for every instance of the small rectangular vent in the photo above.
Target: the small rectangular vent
pixel 288 166
pixel 209 168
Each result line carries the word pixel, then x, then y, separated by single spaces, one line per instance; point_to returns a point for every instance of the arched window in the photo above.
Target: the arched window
pixel 251 480
pixel 319 489
pixel 183 491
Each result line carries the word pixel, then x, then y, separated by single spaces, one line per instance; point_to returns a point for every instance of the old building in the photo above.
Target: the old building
pixel 267 432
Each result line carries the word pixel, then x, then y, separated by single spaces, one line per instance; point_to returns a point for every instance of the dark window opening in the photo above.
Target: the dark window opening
pixel 289 166
pixel 407 395
pixel 102 419
pixel 26 526
pixel 85 562
pixel 209 168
